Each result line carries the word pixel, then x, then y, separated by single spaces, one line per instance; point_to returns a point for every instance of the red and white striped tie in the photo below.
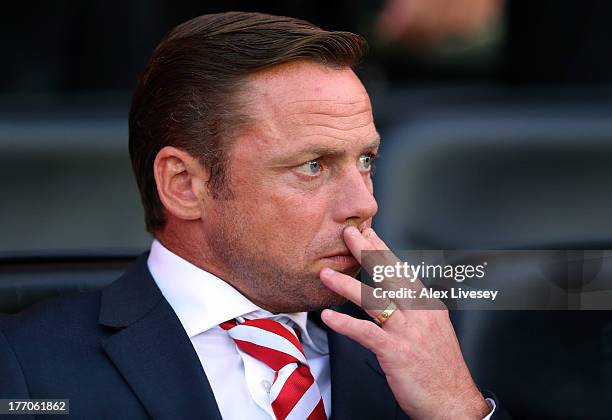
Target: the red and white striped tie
pixel 294 393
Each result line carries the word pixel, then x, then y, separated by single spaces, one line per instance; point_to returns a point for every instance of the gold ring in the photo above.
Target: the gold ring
pixel 386 314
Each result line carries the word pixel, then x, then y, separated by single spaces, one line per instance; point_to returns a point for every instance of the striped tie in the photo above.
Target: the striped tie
pixel 294 393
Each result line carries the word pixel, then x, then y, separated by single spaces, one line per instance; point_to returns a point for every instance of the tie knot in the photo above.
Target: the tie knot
pixel 267 340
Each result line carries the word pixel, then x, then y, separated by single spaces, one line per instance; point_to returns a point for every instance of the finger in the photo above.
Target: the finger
pixel 379 255
pixel 342 284
pixel 356 242
pixel 390 258
pixel 364 332
pixel 371 235
pixel 353 290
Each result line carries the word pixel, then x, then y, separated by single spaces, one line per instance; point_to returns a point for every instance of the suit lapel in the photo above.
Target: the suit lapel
pixel 359 387
pixel 151 349
pixel 153 353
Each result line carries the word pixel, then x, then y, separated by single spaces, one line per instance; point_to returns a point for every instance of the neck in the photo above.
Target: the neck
pixel 202 257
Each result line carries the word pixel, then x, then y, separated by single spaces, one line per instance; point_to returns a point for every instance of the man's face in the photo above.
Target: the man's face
pixel 299 176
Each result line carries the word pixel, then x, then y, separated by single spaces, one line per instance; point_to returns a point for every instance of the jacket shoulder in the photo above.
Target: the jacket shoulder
pixel 60 323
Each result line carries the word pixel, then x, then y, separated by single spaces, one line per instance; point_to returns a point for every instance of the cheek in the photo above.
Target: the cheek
pixel 279 218
pixel 306 213
pixel 289 221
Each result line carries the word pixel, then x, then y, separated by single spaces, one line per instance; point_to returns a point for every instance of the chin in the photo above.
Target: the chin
pixel 316 300
pixel 304 294
pixel 320 297
pixel 325 299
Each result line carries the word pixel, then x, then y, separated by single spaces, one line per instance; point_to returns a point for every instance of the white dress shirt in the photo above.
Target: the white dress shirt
pixel 240 383
pixel 202 301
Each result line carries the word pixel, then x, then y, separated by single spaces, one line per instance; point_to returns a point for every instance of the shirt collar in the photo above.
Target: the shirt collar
pixel 202 300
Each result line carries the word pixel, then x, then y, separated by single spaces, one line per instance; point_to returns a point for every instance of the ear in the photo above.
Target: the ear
pixel 181 183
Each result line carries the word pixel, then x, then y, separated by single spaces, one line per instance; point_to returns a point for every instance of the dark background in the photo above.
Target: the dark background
pixel 499 140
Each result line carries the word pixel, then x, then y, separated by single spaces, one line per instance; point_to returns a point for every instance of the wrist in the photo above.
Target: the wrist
pixel 474 407
pixel 465 406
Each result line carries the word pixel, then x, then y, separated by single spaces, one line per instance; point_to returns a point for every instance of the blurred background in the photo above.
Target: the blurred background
pixel 497 133
pixel 494 115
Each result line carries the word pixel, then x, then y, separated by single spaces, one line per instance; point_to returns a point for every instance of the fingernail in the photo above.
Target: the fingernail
pixel 328 272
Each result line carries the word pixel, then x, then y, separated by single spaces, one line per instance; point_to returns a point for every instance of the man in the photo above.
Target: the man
pixel 252 142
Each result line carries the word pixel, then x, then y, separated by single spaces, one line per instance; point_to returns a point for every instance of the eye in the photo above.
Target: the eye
pixel 312 167
pixel 366 162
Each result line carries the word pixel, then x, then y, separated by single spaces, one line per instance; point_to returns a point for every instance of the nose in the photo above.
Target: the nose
pixel 355 200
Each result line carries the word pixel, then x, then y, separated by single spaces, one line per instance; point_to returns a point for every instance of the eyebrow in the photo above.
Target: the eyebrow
pixel 324 150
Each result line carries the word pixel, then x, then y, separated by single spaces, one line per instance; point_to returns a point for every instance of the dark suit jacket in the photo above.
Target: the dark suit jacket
pixel 121 352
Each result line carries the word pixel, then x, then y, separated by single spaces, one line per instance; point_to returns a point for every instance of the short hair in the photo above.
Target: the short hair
pixel 189 94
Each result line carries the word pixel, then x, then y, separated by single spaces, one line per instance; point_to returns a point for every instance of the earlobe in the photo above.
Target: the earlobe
pixel 179 178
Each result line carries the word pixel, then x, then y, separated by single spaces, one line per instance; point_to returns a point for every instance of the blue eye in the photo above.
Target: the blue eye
pixel 366 162
pixel 312 167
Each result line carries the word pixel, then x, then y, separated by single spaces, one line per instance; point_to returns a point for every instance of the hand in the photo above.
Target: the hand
pixel 417 349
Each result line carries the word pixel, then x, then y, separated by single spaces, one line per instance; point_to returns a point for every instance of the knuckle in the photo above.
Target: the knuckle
pixel 374 333
pixel 371 330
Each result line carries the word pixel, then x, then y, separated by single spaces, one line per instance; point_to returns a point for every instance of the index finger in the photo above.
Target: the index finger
pixel 357 242
pixel 353 290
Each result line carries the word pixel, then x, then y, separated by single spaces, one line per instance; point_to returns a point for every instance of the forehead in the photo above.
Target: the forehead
pixel 301 102
pixel 296 83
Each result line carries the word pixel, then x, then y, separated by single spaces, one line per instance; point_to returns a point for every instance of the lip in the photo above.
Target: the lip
pixel 342 260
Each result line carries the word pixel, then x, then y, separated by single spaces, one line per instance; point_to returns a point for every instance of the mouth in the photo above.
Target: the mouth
pixel 342 260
